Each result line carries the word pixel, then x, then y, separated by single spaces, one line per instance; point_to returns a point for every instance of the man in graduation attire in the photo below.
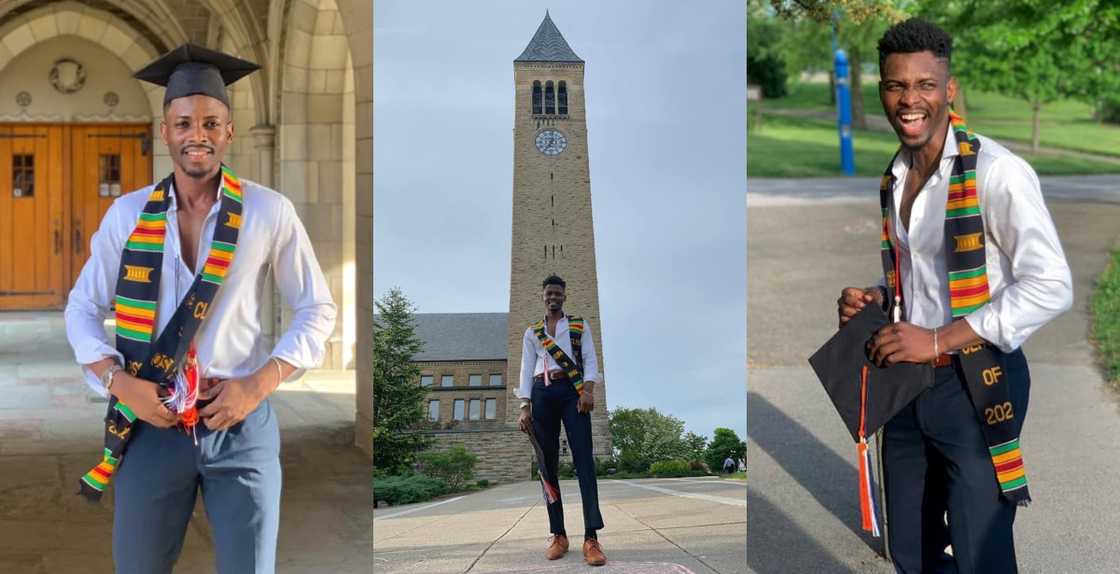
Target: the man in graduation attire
pixel 972 267
pixel 559 372
pixel 182 265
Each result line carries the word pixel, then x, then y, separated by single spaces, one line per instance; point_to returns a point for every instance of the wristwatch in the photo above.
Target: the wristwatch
pixel 107 376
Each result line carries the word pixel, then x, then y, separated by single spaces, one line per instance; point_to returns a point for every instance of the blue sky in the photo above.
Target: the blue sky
pixel 665 87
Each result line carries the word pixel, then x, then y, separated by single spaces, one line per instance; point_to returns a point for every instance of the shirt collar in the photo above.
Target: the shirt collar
pixel 948 152
pixel 174 203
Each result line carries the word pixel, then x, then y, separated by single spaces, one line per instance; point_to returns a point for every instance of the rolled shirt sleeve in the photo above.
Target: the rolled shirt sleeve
pixel 90 301
pixel 1038 286
pixel 587 349
pixel 304 289
pixel 528 365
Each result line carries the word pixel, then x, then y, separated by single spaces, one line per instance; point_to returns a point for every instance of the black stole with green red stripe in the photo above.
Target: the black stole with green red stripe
pixel 574 368
pixel 136 297
pixel 982 364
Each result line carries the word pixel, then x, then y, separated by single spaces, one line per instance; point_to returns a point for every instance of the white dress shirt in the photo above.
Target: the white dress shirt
pixel 229 341
pixel 535 360
pixel 1028 277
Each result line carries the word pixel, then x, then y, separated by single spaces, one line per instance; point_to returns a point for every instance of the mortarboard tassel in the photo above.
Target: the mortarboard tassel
pixel 867 507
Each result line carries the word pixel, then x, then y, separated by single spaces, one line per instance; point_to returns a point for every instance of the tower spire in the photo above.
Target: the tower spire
pixel 548 45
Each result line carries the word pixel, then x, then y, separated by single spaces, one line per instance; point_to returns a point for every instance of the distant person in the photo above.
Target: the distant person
pixel 558 376
pixel 728 465
pixel 972 266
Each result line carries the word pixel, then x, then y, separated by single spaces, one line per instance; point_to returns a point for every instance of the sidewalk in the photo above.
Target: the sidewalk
pixel 653 526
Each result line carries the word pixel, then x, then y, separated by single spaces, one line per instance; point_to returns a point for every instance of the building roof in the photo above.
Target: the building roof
pixel 548 45
pixel 462 336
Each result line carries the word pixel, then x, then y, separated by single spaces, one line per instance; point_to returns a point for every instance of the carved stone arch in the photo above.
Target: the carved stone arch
pixel 251 44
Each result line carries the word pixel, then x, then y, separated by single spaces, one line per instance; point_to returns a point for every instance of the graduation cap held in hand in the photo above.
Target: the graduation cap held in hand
pixel 865 395
pixel 550 482
pixel 190 69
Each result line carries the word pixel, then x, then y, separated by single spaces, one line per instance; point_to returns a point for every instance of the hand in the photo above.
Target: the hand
pixel 852 300
pixel 233 400
pixel 586 402
pixel 902 343
pixel 143 398
pixel 525 420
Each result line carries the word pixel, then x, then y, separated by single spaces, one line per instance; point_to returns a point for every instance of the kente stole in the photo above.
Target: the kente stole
pixel 983 363
pixel 136 297
pixel 574 369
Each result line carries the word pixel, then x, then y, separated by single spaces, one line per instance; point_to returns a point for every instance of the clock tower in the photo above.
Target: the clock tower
pixel 552 221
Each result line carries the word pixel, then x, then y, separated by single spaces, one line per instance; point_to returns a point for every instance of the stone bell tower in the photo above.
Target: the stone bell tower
pixel 552 223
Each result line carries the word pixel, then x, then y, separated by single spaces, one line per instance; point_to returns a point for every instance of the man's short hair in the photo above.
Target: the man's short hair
pixel 553 280
pixel 915 35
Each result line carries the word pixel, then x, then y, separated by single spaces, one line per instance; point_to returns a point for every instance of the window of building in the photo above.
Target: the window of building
pixel 433 410
pixel 475 380
pixel 109 175
pixel 491 409
pixel 537 108
pixel 23 175
pixel 447 381
pixel 495 380
pixel 458 414
pixel 425 380
pixel 549 98
pixel 562 98
pixel 476 409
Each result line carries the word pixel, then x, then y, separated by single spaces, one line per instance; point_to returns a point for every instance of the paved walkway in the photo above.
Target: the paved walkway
pixel 50 434
pixel 653 526
pixel 803 497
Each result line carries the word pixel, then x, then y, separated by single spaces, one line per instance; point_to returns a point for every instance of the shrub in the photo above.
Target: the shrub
pixel 769 72
pixel 454 465
pixel 483 483
pixel 406 489
pixel 1110 110
pixel 670 468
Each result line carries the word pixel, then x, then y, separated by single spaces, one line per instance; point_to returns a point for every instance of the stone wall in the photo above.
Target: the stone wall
pixel 504 455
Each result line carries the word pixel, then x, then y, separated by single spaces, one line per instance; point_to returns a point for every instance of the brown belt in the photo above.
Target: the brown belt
pixel 557 375
pixel 943 360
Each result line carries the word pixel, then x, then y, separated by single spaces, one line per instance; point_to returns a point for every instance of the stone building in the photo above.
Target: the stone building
pixel 76 131
pixel 552 233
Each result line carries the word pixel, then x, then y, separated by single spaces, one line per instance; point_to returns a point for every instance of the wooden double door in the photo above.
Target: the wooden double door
pixel 56 182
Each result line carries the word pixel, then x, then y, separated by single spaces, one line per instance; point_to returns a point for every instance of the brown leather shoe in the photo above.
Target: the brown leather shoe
pixel 557 547
pixel 593 552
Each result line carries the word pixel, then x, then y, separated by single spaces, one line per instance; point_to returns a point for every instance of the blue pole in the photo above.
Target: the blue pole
pixel 844 114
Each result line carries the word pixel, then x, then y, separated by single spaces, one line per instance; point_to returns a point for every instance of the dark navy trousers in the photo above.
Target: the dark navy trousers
pixel 161 473
pixel 935 460
pixel 551 405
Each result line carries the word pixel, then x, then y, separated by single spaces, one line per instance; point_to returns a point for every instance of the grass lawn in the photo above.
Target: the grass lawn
pixel 734 476
pixel 801 147
pixel 1066 124
pixel 1106 318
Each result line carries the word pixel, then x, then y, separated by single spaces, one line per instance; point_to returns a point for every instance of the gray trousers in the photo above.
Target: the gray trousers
pixel 161 473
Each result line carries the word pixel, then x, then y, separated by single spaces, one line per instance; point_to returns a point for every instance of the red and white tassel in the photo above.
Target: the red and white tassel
pixel 183 399
pixel 867 508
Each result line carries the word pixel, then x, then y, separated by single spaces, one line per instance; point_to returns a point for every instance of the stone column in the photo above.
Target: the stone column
pixel 264 143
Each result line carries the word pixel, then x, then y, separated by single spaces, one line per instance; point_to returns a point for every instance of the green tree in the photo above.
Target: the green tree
pixel 1033 49
pixel 398 398
pixel 724 443
pixel 695 445
pixel 644 436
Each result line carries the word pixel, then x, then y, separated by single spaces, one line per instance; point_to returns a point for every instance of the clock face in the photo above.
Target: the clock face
pixel 551 142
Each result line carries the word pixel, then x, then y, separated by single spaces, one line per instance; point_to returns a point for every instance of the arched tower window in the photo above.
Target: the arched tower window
pixel 549 98
pixel 537 107
pixel 562 98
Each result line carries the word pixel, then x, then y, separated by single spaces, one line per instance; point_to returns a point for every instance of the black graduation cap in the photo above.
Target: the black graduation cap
pixel 191 69
pixel 839 364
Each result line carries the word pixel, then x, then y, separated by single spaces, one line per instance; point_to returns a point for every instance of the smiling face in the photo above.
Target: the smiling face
pixel 916 89
pixel 197 130
pixel 554 297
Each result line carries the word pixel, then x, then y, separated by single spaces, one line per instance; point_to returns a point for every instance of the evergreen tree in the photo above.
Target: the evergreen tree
pixel 398 398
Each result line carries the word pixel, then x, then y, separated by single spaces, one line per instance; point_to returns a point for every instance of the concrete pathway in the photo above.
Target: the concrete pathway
pixel 803 497
pixel 653 526
pixel 50 434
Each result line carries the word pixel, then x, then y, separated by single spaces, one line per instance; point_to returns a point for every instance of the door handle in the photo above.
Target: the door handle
pixel 57 240
pixel 77 244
